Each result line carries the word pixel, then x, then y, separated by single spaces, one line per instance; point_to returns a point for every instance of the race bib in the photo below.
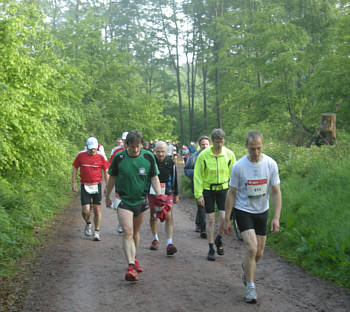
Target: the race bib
pixel 162 188
pixel 116 203
pixel 256 188
pixel 91 189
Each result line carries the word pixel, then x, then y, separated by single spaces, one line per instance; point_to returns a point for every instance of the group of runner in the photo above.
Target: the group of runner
pixel 145 180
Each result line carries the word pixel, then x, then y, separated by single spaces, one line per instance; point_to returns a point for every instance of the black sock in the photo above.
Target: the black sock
pixel 211 246
pixel 219 237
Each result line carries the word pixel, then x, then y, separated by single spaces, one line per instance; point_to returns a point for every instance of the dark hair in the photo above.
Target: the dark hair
pixel 253 136
pixel 217 134
pixel 203 137
pixel 134 137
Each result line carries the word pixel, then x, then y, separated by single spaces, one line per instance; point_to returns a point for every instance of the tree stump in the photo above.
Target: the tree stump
pixel 327 133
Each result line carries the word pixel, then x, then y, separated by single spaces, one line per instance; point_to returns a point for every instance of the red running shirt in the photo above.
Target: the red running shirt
pixel 90 167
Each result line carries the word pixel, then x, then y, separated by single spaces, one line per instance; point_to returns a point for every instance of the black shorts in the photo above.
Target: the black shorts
pixel 85 197
pixel 248 221
pixel 212 197
pixel 137 210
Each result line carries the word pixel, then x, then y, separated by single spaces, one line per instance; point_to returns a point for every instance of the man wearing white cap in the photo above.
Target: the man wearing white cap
pixel 90 164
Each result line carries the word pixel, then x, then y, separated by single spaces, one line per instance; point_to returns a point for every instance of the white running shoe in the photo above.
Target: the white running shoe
pixel 97 236
pixel 88 230
pixel 120 229
pixel 250 294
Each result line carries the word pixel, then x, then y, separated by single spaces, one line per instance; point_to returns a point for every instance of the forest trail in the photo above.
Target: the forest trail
pixel 75 274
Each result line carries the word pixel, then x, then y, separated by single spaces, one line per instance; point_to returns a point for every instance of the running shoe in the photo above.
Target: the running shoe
pixel 154 245
pixel 97 236
pixel 171 249
pixel 138 267
pixel 88 229
pixel 244 277
pixel 211 255
pixel 131 274
pixel 203 235
pixel 219 246
pixel 120 229
pixel 250 294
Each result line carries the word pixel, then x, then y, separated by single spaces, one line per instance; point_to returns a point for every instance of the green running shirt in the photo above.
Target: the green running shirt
pixel 133 175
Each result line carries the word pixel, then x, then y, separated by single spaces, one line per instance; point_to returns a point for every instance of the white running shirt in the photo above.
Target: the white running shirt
pixel 252 182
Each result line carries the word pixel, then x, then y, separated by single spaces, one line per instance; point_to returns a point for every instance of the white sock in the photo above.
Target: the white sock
pixel 155 237
pixel 169 241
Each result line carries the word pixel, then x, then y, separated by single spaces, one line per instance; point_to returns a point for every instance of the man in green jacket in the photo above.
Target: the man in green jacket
pixel 211 175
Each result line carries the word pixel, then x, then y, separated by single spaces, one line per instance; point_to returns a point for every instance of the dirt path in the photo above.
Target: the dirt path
pixel 75 274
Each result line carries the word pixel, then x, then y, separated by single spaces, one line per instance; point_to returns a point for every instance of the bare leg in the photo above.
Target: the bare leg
pixel 210 227
pixel 221 223
pixel 169 225
pixel 251 243
pixel 126 219
pixel 97 216
pixel 86 212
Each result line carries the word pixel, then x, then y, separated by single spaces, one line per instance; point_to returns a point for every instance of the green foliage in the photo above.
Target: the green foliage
pixel 315 215
pixel 25 209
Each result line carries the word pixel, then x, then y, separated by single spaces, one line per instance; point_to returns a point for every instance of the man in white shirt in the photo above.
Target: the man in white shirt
pixel 252 177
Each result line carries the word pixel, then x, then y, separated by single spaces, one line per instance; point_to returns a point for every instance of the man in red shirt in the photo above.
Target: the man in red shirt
pixel 90 164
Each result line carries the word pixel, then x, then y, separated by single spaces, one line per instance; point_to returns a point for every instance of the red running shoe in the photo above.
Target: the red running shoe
pixel 155 245
pixel 131 274
pixel 138 267
pixel 170 250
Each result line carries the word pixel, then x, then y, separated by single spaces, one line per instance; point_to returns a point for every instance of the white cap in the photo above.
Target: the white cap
pixel 124 135
pixel 167 141
pixel 92 143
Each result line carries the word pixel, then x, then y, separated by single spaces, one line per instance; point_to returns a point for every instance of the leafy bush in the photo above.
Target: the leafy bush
pixel 315 215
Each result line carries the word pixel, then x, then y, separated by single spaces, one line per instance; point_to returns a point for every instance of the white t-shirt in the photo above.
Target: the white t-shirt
pixel 252 182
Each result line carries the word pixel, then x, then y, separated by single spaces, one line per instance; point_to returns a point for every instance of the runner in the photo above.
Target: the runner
pixel 200 221
pixel 192 147
pixel 131 172
pixel 211 175
pixel 168 182
pixel 120 147
pixel 170 149
pixel 174 150
pixel 100 149
pixel 251 179
pixel 90 164
pixel 185 153
pixel 151 145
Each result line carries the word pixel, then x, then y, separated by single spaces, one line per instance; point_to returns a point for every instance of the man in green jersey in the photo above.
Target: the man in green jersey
pixel 211 175
pixel 131 172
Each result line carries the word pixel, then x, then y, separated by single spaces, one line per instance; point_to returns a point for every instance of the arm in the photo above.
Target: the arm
pixel 175 186
pixel 156 185
pixel 229 203
pixel 106 177
pixel 74 179
pixel 189 167
pixel 198 181
pixel 110 184
pixel 277 206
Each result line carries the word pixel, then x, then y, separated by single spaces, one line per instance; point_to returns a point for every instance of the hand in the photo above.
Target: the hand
pixel 108 202
pixel 275 225
pixel 200 201
pixel 227 227
pixel 74 187
pixel 176 199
